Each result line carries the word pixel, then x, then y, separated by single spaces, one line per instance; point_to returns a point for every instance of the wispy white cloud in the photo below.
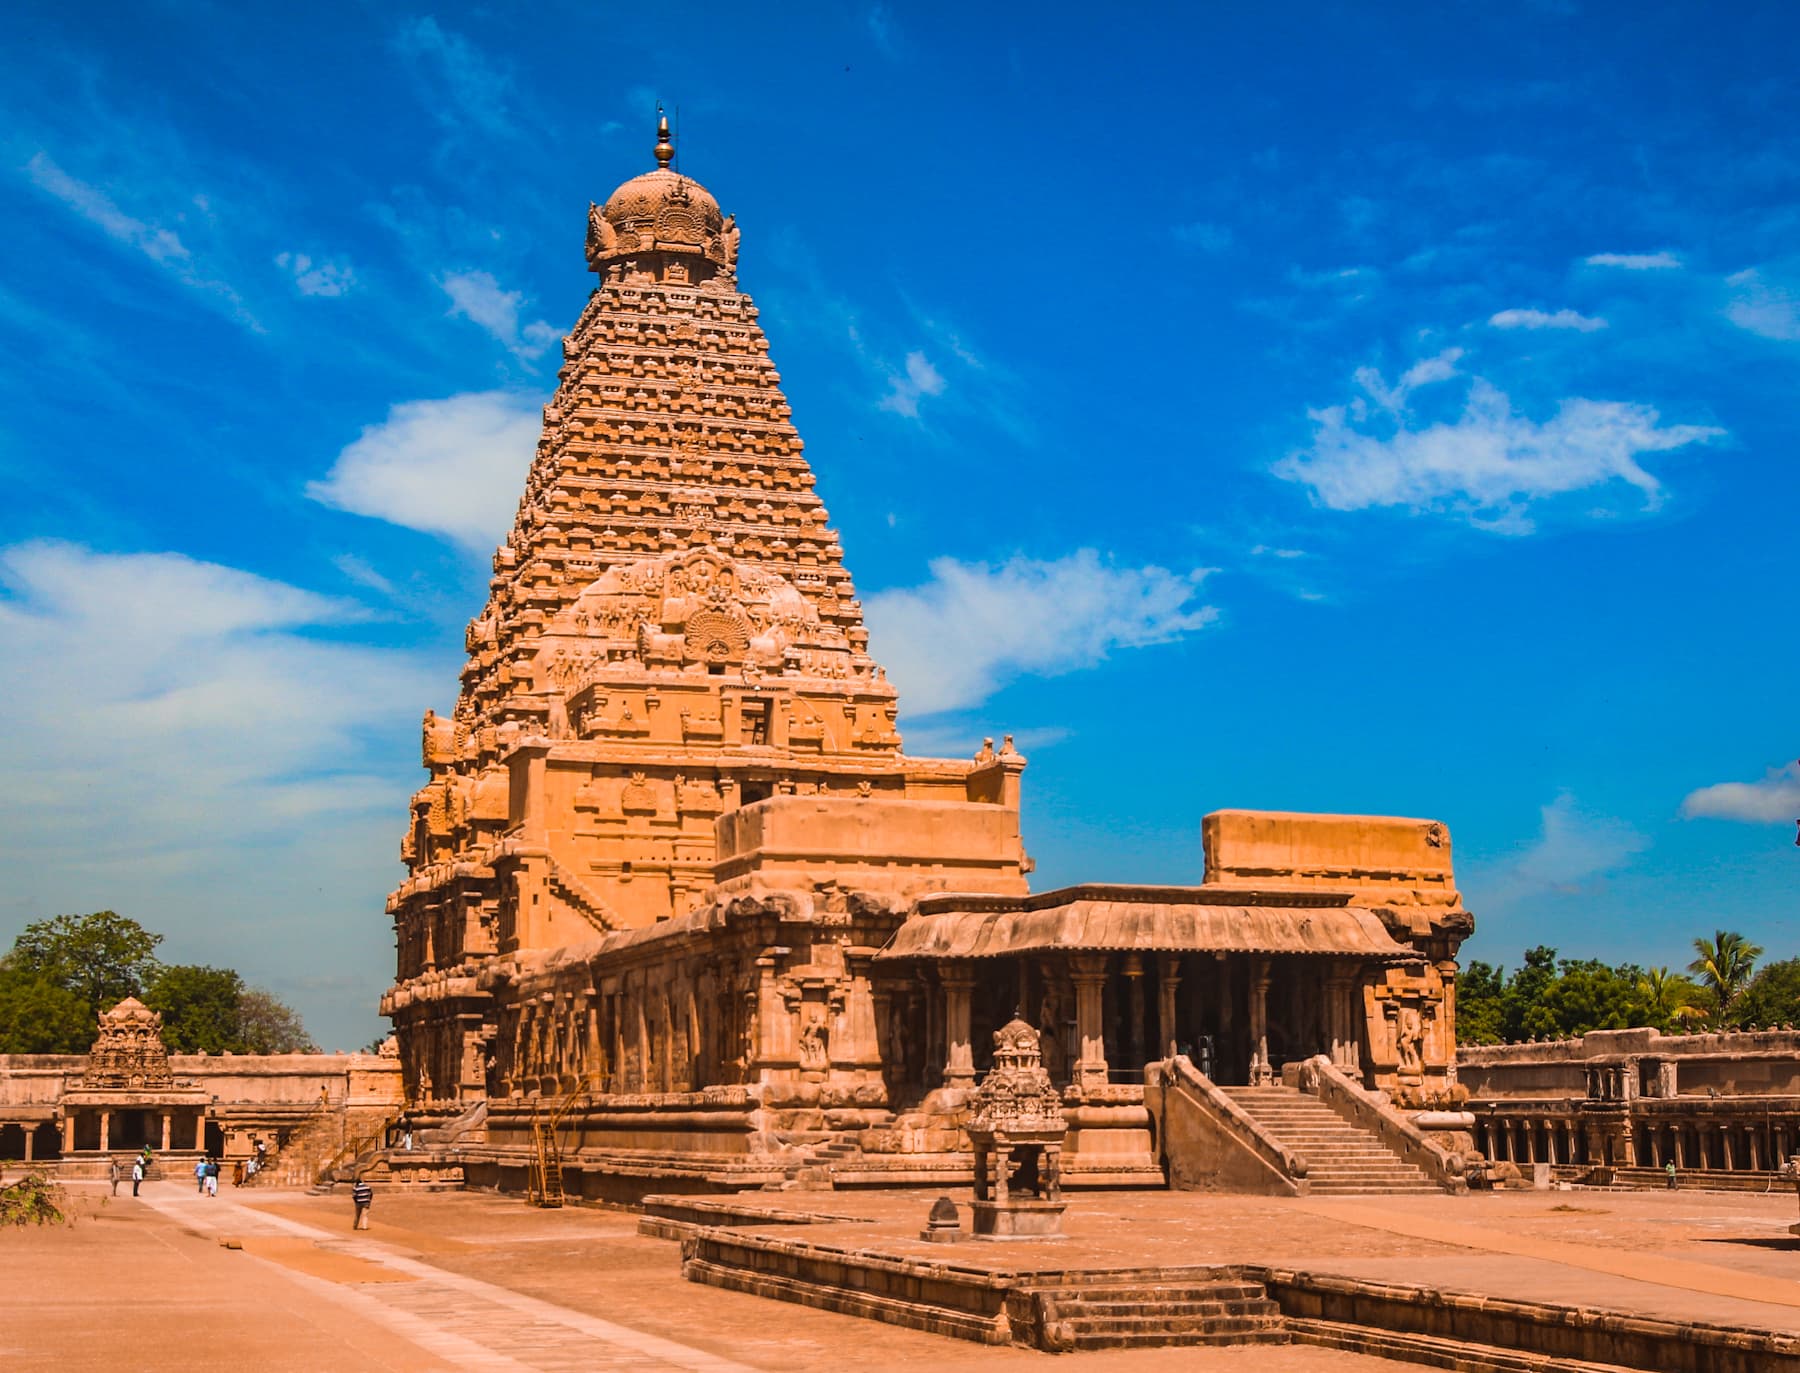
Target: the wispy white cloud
pixel 450 467
pixel 316 278
pixel 920 379
pixel 973 627
pixel 1635 262
pixel 479 298
pixel 95 206
pixel 880 20
pixel 461 86
pixel 1573 850
pixel 1764 305
pixel 161 245
pixel 1775 799
pixel 180 735
pixel 1487 465
pixel 1539 319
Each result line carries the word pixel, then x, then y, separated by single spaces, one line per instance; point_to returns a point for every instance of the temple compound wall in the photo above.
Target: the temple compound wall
pixel 129 1091
pixel 1724 1108
pixel 675 887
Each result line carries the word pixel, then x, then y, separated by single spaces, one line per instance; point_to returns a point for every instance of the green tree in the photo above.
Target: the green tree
pixel 267 1025
pixel 102 958
pixel 39 1017
pixel 1724 964
pixel 200 1007
pixel 1585 994
pixel 1479 989
pixel 1670 999
pixel 1524 989
pixel 1773 996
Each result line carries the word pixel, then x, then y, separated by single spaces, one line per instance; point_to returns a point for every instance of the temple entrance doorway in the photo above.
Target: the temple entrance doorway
pixel 12 1141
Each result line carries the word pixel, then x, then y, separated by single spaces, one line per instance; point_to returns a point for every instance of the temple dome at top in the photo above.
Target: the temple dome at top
pixel 661 211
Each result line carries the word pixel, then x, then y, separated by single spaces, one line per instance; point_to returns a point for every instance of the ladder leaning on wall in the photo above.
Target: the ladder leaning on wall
pixel 544 1180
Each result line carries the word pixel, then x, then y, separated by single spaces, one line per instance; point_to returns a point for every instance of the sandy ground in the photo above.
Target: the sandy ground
pixel 471 1281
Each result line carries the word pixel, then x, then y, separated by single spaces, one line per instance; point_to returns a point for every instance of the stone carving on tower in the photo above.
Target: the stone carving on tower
pixel 129 1052
pixel 670 635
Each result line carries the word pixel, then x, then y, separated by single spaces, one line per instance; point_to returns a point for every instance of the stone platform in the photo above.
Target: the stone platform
pixel 472 1281
pixel 1514 1281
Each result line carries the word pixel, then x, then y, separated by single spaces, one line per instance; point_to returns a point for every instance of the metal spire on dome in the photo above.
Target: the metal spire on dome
pixel 665 149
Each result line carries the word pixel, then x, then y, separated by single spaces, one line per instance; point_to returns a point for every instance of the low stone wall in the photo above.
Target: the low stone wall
pixel 1479 1333
pixel 1559 1332
pixel 946 1299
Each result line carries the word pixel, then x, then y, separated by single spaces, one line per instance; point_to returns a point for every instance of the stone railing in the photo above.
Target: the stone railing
pixel 1208 1142
pixel 1323 1079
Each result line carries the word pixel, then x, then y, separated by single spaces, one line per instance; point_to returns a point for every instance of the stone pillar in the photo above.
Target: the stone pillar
pixel 166 1130
pixel 1167 984
pixel 862 1047
pixel 1088 973
pixel 1260 1073
pixel 105 1131
pixel 1755 1150
pixel 68 1134
pixel 1680 1151
pixel 1134 1011
pixel 958 981
pixel 1727 1155
pixel 1340 1020
pixel 30 1139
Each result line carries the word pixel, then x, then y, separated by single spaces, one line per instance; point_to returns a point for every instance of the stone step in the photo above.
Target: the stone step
pixel 1140 1295
pixel 1434 1351
pixel 1116 1333
pixel 1133 1310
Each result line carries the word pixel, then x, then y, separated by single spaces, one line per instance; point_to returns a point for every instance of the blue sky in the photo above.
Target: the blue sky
pixel 1320 408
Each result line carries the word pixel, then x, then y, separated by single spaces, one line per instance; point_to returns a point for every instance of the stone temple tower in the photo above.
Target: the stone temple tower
pixel 670 635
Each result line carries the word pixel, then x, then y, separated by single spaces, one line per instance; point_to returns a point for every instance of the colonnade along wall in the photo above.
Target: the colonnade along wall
pixel 673 874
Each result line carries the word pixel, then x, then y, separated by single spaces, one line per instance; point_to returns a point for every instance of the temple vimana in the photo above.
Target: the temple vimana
pixel 675 883
pixel 685 927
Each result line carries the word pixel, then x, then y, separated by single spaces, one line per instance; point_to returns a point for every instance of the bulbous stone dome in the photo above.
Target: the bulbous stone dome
pixel 661 211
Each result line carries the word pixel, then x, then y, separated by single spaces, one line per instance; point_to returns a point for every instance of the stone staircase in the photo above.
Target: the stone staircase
pixel 1108 1316
pixel 814 1161
pixel 1340 1158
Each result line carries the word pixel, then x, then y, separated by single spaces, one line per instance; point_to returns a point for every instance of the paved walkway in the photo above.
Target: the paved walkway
pixel 468 1323
pixel 474 1282
pixel 1663 1270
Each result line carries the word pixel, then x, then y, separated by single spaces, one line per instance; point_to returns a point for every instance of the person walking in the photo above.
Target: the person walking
pixel 113 1174
pixel 200 1174
pixel 1670 1170
pixel 137 1174
pixel 212 1177
pixel 362 1194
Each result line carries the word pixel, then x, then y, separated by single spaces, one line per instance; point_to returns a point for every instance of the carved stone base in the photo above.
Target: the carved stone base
pixel 1022 1219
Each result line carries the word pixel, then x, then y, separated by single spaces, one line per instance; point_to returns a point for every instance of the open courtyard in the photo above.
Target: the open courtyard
pixel 278 1281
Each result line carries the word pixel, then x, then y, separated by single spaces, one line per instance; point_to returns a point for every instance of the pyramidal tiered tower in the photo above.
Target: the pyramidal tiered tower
pixel 670 637
pixel 674 884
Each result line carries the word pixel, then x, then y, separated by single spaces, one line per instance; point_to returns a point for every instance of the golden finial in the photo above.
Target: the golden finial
pixel 665 150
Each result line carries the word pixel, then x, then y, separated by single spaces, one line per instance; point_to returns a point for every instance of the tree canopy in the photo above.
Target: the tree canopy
pixel 1547 997
pixel 62 973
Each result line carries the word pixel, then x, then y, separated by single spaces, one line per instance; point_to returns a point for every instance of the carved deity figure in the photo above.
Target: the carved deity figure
pixel 1409 1039
pixel 813 1056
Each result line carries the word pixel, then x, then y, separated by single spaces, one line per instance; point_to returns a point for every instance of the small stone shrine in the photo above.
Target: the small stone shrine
pixel 129 1097
pixel 129 1051
pixel 1017 1130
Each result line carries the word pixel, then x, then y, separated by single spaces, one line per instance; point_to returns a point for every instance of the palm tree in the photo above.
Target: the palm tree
pixel 1723 965
pixel 1668 997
